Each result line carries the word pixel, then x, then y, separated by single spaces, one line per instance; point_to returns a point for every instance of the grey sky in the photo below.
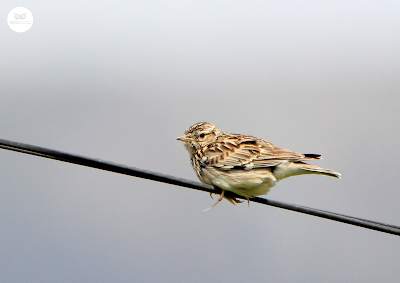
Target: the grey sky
pixel 120 81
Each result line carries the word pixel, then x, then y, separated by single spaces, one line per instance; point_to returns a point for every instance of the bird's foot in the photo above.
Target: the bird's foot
pixel 218 201
pixel 235 200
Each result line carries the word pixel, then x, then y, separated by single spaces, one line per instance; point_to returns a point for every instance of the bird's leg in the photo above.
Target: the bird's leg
pixel 248 202
pixel 218 201
pixel 211 195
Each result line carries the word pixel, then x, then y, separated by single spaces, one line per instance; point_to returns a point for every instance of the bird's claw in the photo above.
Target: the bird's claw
pixel 218 201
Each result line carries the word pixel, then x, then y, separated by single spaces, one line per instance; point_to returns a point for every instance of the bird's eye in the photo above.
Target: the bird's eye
pixel 202 135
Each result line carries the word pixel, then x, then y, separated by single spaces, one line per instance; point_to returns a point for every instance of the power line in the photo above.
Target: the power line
pixel 146 174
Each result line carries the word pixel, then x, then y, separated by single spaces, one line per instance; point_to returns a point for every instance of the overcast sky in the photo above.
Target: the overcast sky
pixel 121 80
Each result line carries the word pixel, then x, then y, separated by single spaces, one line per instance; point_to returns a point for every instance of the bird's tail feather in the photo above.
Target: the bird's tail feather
pixel 318 170
pixel 309 156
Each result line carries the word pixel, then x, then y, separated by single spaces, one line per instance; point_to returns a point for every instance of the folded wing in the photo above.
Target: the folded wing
pixel 249 152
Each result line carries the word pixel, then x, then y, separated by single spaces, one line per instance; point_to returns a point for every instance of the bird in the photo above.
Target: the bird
pixel 245 165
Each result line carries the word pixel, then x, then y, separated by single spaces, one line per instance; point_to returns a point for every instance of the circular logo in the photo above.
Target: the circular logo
pixel 20 19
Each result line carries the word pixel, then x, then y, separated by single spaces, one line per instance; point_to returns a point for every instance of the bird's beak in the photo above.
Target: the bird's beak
pixel 184 139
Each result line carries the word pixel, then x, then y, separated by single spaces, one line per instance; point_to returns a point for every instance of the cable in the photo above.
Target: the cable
pixel 140 173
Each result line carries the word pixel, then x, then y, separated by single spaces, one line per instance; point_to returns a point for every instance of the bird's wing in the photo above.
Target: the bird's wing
pixel 247 152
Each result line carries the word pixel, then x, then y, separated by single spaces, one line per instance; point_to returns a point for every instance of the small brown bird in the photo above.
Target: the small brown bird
pixel 245 165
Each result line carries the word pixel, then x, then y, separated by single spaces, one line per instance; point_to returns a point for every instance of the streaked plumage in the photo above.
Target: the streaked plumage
pixel 245 165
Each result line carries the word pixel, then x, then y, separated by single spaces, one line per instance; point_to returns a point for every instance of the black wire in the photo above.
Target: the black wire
pixel 132 171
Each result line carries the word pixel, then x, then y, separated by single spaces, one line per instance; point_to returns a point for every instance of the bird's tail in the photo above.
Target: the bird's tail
pixel 317 170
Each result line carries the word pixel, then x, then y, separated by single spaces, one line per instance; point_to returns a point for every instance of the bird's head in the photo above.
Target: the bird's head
pixel 200 135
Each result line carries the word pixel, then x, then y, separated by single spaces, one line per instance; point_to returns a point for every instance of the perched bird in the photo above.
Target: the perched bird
pixel 245 165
